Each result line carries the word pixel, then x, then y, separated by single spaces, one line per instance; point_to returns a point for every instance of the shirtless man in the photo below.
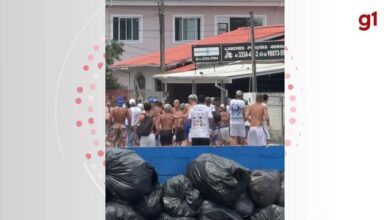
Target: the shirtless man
pixel 166 124
pixel 118 135
pixel 223 135
pixel 176 106
pixel 255 114
pixel 179 125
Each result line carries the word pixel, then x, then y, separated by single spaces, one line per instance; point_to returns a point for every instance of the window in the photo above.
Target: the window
pixel 126 29
pixel 139 81
pixel 237 22
pixel 187 29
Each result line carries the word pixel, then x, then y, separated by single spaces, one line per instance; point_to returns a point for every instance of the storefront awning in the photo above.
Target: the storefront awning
pixel 224 73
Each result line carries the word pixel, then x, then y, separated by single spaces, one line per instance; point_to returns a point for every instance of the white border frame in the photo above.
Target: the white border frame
pixel 174 16
pixel 141 28
pixel 237 16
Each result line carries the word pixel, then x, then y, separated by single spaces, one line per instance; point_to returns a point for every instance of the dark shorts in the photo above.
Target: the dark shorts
pixel 187 127
pixel 180 135
pixel 166 137
pixel 200 141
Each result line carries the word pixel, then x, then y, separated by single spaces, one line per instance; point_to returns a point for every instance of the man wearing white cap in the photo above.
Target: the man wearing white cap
pixel 134 111
pixel 237 122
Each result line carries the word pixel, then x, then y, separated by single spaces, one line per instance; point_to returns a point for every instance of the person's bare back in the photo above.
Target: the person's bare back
pixel 166 121
pixel 255 114
pixel 179 119
pixel 119 115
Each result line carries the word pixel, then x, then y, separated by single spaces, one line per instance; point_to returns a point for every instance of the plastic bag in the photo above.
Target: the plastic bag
pixel 244 205
pixel 149 206
pixel 219 179
pixel 273 212
pixel 281 197
pixel 180 198
pixel 213 211
pixel 165 216
pixel 264 187
pixel 128 176
pixel 116 211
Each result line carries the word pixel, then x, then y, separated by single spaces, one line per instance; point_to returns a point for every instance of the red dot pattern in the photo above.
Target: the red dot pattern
pixel 100 153
pixel 79 89
pixel 78 101
pixel 89 75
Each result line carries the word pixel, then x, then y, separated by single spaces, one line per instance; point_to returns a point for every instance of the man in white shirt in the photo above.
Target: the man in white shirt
pixel 200 115
pixel 134 111
pixel 210 105
pixel 237 122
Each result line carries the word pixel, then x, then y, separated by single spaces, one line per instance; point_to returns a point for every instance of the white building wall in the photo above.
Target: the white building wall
pixel 149 25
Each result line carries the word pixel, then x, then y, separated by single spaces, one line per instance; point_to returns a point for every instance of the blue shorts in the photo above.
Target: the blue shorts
pixel 187 127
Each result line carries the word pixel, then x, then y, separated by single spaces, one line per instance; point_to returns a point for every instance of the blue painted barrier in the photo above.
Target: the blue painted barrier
pixel 172 161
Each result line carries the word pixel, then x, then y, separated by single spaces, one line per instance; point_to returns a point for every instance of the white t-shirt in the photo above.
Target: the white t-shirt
pixel 199 116
pixel 237 106
pixel 212 108
pixel 135 112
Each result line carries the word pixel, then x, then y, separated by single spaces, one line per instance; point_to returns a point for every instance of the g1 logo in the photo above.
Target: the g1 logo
pixel 365 21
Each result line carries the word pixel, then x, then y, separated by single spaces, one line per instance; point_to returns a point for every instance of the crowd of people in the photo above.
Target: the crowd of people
pixel 202 121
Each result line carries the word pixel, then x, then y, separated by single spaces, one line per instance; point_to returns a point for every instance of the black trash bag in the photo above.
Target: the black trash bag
pixel 165 216
pixel 108 196
pixel 213 211
pixel 244 205
pixel 264 187
pixel 281 197
pixel 128 176
pixel 116 211
pixel 181 198
pixel 219 179
pixel 273 212
pixel 149 206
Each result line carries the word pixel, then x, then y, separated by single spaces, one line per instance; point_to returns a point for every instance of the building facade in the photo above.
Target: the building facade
pixel 136 22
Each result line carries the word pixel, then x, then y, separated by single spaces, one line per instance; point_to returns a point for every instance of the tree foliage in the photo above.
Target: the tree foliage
pixel 114 50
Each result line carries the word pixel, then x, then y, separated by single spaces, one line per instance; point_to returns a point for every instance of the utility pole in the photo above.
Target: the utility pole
pixel 162 34
pixel 254 80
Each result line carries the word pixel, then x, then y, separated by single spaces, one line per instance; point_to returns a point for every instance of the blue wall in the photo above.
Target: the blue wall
pixel 172 161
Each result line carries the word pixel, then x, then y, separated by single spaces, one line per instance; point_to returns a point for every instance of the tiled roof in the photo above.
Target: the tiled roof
pixel 183 53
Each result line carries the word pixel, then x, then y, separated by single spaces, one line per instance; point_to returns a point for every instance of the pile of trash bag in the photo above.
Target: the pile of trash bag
pixel 264 187
pixel 281 197
pixel 180 198
pixel 214 188
pixel 219 179
pixel 272 212
pixel 117 211
pixel 213 211
pixel 128 176
pixel 150 205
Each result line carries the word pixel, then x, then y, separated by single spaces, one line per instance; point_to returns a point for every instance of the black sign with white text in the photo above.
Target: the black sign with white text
pixel 263 51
